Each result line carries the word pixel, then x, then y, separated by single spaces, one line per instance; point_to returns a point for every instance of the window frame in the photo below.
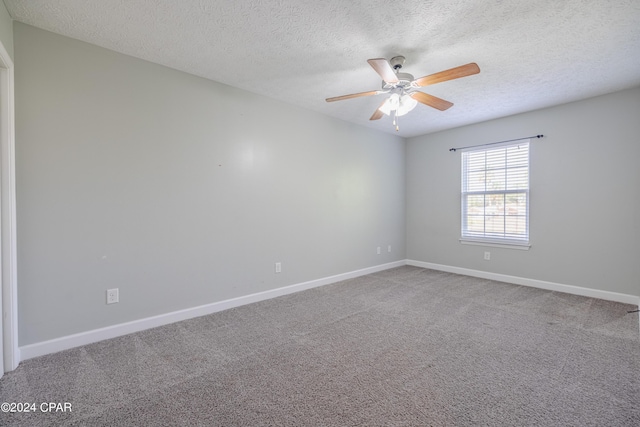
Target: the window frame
pixel 486 238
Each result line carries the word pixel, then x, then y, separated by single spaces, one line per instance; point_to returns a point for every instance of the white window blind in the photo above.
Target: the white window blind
pixel 495 194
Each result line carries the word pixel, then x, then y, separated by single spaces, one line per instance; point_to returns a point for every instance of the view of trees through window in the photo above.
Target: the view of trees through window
pixel 495 193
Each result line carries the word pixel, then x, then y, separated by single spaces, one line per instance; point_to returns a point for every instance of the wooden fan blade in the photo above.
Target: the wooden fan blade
pixel 383 68
pixel 431 101
pixel 377 115
pixel 453 73
pixel 353 95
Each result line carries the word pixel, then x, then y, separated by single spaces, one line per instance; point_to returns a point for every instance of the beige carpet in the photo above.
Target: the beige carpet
pixel 403 347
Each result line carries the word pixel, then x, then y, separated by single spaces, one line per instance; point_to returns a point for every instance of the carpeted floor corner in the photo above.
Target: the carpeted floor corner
pixel 402 347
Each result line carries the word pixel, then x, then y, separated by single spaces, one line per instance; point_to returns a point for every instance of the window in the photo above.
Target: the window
pixel 495 195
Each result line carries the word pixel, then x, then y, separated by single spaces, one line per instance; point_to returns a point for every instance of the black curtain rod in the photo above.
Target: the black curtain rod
pixel 500 142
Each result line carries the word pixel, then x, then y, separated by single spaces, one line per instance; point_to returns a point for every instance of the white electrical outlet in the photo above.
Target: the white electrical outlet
pixel 112 296
pixel 487 256
pixel 378 250
pixel 278 267
pixel 389 248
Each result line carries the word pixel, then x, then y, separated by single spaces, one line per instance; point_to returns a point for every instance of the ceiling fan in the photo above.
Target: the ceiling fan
pixel 403 88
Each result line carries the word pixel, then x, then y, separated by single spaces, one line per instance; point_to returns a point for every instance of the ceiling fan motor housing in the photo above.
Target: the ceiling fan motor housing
pixel 404 79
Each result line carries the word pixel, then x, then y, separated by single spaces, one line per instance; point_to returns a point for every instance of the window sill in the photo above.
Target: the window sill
pixel 523 246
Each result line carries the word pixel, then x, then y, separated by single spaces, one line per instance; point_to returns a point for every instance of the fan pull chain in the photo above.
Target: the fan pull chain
pixel 395 120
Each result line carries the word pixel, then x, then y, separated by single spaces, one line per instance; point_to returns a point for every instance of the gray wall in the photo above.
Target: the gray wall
pixel 6 29
pixel 584 195
pixel 180 191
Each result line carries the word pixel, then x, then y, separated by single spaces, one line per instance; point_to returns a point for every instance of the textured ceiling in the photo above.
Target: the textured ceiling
pixel 532 53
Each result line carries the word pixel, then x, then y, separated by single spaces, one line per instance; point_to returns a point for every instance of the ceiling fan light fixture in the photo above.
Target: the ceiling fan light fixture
pixel 407 103
pixel 400 104
pixel 391 104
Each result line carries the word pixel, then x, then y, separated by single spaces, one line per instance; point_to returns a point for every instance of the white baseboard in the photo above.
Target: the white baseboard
pixel 569 289
pixel 88 337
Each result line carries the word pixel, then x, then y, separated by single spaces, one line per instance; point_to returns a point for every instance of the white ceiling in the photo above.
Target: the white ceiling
pixel 532 53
